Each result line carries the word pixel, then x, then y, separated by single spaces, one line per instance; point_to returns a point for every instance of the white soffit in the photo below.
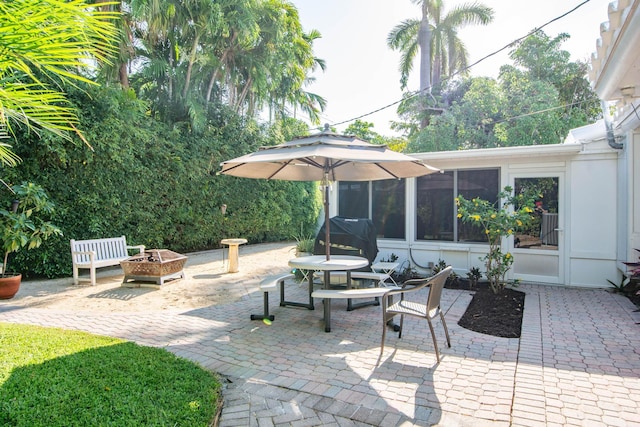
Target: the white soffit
pixel 615 66
pixel 529 151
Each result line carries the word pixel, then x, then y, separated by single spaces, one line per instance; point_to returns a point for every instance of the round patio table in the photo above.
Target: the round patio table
pixel 321 263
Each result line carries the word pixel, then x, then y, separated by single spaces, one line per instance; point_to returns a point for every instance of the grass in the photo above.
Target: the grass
pixel 53 377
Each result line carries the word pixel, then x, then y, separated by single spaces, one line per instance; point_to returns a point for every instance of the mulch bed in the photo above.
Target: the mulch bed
pixel 499 315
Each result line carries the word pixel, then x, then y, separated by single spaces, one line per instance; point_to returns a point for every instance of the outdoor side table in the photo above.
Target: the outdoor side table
pixel 233 252
pixel 386 268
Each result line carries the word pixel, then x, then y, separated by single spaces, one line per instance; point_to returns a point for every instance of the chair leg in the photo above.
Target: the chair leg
pixel 401 325
pixel 435 342
pixel 446 330
pixel 384 332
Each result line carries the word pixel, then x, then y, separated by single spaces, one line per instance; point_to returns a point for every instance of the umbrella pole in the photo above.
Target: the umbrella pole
pixel 326 220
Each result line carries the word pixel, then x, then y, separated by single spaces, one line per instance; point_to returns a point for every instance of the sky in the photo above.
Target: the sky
pixel 362 73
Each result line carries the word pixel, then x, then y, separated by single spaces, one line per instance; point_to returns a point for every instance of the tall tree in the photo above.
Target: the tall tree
pixel 435 35
pixel 247 54
pixel 542 58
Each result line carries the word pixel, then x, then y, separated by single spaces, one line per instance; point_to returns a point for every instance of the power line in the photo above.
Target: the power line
pixel 419 92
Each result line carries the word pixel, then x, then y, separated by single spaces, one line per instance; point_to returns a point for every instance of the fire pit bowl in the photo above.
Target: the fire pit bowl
pixel 154 265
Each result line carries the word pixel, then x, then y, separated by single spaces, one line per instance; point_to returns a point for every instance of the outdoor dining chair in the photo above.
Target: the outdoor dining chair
pixel 405 306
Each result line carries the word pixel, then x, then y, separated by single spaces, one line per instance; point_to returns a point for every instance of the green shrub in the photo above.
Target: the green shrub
pixel 153 183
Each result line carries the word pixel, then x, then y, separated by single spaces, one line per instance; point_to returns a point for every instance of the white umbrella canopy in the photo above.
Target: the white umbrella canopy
pixel 326 157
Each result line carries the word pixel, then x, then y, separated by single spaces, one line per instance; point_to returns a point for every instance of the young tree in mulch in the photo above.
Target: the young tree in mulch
pixel 498 223
pixel 495 310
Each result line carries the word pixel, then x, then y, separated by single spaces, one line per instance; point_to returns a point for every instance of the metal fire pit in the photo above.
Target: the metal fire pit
pixel 154 265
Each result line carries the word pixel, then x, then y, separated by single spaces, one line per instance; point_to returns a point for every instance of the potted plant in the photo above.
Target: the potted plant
pixel 304 245
pixel 22 225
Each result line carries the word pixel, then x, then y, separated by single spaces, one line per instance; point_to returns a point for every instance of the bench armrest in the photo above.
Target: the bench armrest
pixel 140 248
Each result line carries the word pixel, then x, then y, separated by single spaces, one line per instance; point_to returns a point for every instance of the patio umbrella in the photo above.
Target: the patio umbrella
pixel 326 157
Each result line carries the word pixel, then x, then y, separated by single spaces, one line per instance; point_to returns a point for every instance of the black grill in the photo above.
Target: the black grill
pixel 349 236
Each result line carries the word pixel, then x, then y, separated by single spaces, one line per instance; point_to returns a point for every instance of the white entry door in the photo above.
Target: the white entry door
pixel 538 250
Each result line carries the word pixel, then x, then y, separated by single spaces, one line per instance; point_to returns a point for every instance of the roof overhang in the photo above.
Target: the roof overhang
pixel 529 152
pixel 615 66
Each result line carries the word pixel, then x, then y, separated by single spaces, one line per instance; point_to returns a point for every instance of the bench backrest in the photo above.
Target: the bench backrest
pixel 109 248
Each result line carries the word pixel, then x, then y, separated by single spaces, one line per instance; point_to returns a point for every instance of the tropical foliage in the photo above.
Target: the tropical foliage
pixel 154 183
pixel 435 38
pixel 251 55
pixel 526 105
pixel 44 43
pixel 25 224
pixel 498 224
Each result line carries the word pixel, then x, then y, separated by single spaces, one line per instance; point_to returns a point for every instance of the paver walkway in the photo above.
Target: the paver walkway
pixel 576 364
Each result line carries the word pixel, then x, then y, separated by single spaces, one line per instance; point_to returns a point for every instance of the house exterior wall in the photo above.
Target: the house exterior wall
pixel 592 221
pixel 588 197
pixel 633 196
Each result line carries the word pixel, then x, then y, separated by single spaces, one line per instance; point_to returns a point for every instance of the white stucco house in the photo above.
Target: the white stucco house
pixel 589 220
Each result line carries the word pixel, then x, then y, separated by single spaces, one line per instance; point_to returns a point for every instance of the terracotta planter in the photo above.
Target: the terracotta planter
pixel 9 285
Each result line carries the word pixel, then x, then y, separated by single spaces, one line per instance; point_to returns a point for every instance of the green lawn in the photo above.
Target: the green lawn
pixel 53 377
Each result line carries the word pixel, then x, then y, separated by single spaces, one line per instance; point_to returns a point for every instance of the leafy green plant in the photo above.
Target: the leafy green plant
pixel 439 266
pixel 305 244
pixel 498 222
pixel 405 272
pixel 392 258
pixel 23 225
pixel 619 287
pixel 474 275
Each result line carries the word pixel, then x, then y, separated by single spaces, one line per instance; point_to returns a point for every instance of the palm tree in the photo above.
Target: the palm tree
pixel 44 43
pixel 436 36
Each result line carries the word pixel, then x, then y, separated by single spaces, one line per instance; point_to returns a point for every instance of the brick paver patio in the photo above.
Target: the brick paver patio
pixel 576 364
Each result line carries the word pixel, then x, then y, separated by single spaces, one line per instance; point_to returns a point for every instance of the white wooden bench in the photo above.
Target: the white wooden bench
pixel 268 285
pixel 99 253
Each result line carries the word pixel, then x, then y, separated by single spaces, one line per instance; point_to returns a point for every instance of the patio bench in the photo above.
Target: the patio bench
pixel 97 253
pixel 352 293
pixel 378 279
pixel 356 293
pixel 271 284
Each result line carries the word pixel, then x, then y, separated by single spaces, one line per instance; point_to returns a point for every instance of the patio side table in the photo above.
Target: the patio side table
pixel 233 252
pixel 386 268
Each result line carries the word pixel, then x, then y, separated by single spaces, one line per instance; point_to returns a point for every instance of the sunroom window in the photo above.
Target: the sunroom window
pixel 436 215
pixel 382 201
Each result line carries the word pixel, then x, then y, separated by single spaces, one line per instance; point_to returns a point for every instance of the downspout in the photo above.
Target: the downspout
pixel 611 138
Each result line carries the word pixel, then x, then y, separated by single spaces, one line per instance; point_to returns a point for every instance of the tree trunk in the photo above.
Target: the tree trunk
pixel 123 75
pixel 192 59
pixel 424 41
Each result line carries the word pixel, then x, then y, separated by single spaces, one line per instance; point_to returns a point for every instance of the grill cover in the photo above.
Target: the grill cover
pixel 349 236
